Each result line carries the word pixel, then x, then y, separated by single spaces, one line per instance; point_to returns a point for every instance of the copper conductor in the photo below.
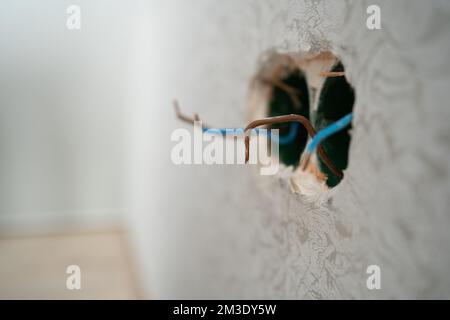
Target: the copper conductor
pixel 185 118
pixel 332 74
pixel 268 121
pixel 290 118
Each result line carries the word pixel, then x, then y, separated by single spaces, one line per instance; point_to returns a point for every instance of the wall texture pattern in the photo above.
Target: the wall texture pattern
pixel 236 234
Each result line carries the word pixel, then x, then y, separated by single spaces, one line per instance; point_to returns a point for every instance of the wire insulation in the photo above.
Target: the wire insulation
pixel 328 131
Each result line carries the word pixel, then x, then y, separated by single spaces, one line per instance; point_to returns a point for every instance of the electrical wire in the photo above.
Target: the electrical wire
pixel 291 118
pixel 324 134
pixel 289 138
pixel 328 131
pixel 281 140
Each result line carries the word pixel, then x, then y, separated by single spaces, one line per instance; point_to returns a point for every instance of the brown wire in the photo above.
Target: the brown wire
pixel 290 118
pixel 185 118
pixel 332 74
pixel 290 91
pixel 272 120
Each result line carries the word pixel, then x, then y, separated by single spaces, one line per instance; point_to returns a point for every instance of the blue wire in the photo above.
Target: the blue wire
pixel 282 140
pixel 216 131
pixel 290 137
pixel 328 131
pixel 293 130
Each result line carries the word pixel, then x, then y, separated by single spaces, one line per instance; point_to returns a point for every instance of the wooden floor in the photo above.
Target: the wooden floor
pixel 35 267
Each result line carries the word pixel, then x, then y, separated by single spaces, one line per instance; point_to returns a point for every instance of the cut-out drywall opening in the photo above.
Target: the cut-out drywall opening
pixel 336 99
pixel 313 86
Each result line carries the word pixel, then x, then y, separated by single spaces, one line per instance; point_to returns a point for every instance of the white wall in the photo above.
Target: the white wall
pixel 224 231
pixel 64 101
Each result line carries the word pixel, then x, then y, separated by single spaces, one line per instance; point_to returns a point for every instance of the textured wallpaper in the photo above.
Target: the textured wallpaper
pixel 227 232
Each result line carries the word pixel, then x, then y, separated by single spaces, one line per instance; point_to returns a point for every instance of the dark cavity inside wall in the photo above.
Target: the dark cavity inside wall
pixel 336 100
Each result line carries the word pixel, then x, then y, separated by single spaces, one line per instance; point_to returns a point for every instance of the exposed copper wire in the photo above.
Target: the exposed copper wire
pixel 290 118
pixel 274 77
pixel 332 74
pixel 304 161
pixel 185 118
pixel 290 91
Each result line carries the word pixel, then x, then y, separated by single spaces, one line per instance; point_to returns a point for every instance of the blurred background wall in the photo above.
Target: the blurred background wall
pixel 64 137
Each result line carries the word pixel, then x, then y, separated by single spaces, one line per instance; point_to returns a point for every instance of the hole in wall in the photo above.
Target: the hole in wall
pixel 296 84
pixel 294 102
pixel 336 100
